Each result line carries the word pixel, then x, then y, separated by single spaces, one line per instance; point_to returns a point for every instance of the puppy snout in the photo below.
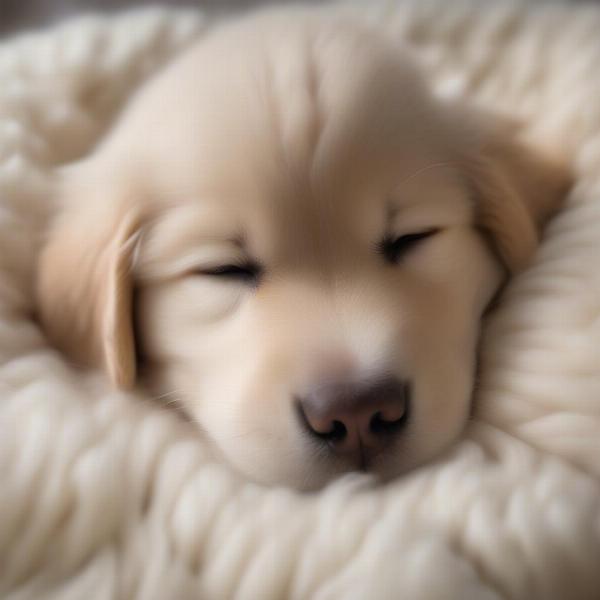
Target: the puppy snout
pixel 356 421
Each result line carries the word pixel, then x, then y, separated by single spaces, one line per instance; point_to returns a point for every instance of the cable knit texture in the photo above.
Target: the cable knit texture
pixel 107 495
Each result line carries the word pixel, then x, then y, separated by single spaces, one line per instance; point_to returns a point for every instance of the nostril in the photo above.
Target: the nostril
pixel 393 415
pixel 379 424
pixel 338 432
pixel 328 430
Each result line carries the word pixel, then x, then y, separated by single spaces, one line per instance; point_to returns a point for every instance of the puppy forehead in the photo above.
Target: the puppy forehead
pixel 319 105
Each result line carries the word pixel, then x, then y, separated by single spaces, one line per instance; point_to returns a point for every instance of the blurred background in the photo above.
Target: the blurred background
pixel 16 15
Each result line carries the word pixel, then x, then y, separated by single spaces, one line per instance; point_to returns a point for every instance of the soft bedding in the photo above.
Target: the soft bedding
pixel 112 495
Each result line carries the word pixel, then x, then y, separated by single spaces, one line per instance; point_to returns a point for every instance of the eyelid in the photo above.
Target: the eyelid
pixel 224 266
pixel 415 231
pixel 425 232
pixel 395 247
pixel 193 261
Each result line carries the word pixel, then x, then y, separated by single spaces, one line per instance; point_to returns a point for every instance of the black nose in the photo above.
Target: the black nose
pixel 357 421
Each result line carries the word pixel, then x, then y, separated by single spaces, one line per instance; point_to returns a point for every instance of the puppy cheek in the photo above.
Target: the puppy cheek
pixel 444 358
pixel 243 415
pixel 257 443
pixel 443 406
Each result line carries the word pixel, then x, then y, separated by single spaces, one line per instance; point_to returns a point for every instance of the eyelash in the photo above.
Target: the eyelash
pixel 394 249
pixel 246 273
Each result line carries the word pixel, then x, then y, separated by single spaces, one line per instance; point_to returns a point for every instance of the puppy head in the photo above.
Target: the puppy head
pixel 299 251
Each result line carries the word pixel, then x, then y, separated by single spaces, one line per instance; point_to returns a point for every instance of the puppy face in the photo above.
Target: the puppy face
pixel 288 234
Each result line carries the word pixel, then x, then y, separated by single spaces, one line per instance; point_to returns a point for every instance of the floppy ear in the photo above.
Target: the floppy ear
pixel 84 286
pixel 518 187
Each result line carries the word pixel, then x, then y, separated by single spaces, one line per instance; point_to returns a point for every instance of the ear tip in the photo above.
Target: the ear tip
pixel 119 347
pixel 121 374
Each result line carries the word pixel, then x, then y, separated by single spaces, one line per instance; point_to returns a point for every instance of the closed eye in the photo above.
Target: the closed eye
pixel 247 273
pixel 395 249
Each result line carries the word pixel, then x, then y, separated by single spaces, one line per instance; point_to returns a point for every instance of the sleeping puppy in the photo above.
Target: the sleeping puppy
pixel 291 235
